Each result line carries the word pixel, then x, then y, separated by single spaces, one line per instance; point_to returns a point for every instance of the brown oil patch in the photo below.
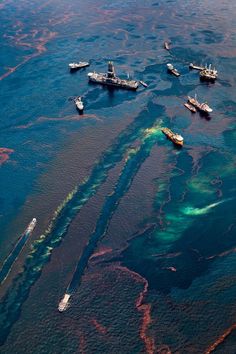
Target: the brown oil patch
pixel 100 328
pixel 101 252
pixel 4 154
pixel 82 343
pixel 75 117
pixel 164 349
pixel 39 45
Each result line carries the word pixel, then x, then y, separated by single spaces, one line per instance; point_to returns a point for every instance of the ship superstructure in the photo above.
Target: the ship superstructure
pixel 110 79
pixel 208 73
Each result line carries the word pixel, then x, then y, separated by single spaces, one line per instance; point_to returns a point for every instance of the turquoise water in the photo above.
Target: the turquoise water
pixel 141 233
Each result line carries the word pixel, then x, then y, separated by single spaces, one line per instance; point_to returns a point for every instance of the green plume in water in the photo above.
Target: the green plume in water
pixel 201 211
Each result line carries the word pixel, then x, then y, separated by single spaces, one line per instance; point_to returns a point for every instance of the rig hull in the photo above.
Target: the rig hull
pixel 102 79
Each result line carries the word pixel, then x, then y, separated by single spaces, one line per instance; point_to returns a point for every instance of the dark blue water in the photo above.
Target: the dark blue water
pixel 149 227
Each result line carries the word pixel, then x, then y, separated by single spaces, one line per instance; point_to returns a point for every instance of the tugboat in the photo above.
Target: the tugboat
pixel 166 46
pixel 175 138
pixel 80 65
pixel 196 67
pixel 208 74
pixel 110 79
pixel 79 104
pixel 172 70
pixel 190 107
pixel 202 107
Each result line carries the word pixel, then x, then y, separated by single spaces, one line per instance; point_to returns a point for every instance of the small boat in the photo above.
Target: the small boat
pixel 143 83
pixel 31 226
pixel 172 269
pixel 166 46
pixel 175 138
pixel 80 65
pixel 64 303
pixel 202 107
pixel 208 74
pixel 79 104
pixel 172 70
pixel 196 67
pixel 190 107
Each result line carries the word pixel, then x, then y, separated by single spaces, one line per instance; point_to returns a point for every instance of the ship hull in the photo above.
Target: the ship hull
pixel 190 107
pixel 78 66
pixel 207 78
pixel 112 84
pixel 196 67
pixel 175 73
pixel 166 46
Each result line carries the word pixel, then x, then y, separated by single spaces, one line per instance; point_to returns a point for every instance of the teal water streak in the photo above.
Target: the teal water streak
pixel 17 294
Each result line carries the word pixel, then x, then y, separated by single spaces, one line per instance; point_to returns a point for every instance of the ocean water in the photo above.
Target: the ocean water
pixel 140 233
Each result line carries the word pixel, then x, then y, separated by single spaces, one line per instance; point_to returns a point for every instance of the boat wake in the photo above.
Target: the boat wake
pixel 10 260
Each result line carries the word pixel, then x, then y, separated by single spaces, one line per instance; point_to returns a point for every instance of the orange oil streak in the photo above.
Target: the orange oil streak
pixel 66 118
pixel 145 309
pixel 100 328
pixel 220 339
pixel 39 46
pixel 4 154
pixel 101 252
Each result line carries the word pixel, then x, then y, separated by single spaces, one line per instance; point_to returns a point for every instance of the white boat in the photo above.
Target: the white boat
pixel 64 303
pixel 166 46
pixel 80 65
pixel 31 225
pixel 79 104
